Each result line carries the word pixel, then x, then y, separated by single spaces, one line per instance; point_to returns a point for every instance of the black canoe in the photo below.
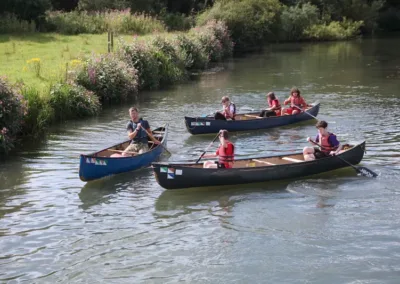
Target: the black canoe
pixel 246 121
pixel 177 175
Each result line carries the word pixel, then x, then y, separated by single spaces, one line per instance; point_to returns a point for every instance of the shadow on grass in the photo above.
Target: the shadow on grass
pixel 34 37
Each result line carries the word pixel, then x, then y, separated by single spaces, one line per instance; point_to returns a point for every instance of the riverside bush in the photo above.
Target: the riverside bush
pixel 77 22
pixel 193 53
pixel 296 19
pixel 334 30
pixel 111 79
pixel 40 114
pixel 12 111
pixel 222 35
pixel 9 23
pixel 73 101
pixel 140 56
pixel 171 67
pixel 251 22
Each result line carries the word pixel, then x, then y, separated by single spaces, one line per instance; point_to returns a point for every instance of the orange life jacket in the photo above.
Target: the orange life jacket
pixel 229 155
pixel 297 101
pixel 324 142
pixel 271 104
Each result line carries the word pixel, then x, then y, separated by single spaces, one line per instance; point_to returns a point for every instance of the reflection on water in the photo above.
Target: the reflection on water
pixel 336 227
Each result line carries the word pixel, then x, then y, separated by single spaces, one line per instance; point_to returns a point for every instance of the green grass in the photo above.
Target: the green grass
pixel 53 50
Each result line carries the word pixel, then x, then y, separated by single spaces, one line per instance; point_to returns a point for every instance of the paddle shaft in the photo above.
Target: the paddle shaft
pixel 201 156
pixel 358 169
pixel 149 134
pixel 306 112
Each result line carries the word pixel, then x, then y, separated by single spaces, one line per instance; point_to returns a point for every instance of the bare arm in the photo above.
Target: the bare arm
pixel 132 134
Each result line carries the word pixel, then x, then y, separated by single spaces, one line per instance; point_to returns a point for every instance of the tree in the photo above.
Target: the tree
pixel 64 5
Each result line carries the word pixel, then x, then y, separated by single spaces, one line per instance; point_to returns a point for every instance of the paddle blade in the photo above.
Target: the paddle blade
pixel 366 172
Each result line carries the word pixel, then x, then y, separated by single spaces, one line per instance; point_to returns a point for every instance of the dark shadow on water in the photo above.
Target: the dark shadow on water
pixel 183 199
pixel 102 190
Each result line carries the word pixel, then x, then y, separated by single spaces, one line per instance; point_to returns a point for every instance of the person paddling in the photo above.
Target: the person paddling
pixel 138 131
pixel 296 101
pixel 225 153
pixel 274 107
pixel 229 110
pixel 328 141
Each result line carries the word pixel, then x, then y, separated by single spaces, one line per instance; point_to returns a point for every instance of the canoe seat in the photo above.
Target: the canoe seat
pixel 263 162
pixel 253 116
pixel 292 160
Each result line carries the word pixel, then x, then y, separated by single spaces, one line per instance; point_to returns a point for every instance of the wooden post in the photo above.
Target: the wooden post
pixel 112 41
pixel 66 71
pixel 109 41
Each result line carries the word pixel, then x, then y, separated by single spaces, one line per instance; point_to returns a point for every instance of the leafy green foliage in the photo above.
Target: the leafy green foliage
pixel 12 111
pixel 73 101
pixel 111 79
pixel 192 52
pixel 251 22
pixel 77 22
pixel 296 19
pixel 334 30
pixel 40 114
pixel 9 23
pixel 139 55
pixel 171 65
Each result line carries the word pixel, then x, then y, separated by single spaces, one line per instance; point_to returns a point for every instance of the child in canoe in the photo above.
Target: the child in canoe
pixel 328 142
pixel 225 153
pixel 274 107
pixel 229 110
pixel 297 102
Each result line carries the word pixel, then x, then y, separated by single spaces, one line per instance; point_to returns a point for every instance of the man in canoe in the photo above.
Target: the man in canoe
pixel 229 110
pixel 225 153
pixel 274 107
pixel 297 102
pixel 328 142
pixel 138 131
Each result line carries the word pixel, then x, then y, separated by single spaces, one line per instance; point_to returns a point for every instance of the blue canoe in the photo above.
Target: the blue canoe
pixel 100 164
pixel 246 121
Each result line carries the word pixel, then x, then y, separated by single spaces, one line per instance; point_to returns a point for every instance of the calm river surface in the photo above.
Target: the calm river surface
pixel 331 228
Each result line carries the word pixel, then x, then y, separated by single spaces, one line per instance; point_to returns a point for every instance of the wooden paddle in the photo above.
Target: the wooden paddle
pixel 305 111
pixel 201 156
pixel 149 134
pixel 361 170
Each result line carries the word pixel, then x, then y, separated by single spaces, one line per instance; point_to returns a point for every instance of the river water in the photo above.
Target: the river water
pixel 332 228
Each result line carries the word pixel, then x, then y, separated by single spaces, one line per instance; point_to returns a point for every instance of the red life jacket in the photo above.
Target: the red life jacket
pixel 324 142
pixel 229 155
pixel 297 101
pixel 234 111
pixel 271 104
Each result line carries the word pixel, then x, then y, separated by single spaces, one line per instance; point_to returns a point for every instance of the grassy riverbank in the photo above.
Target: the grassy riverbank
pixel 53 50
pixel 51 78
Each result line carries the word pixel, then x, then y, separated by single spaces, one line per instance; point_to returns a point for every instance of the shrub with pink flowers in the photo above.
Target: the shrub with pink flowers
pixel 139 55
pixel 111 79
pixel 221 32
pixel 12 111
pixel 214 37
pixel 171 65
pixel 193 53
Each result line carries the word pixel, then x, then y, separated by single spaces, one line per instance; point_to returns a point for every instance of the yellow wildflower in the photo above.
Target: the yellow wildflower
pixel 75 62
